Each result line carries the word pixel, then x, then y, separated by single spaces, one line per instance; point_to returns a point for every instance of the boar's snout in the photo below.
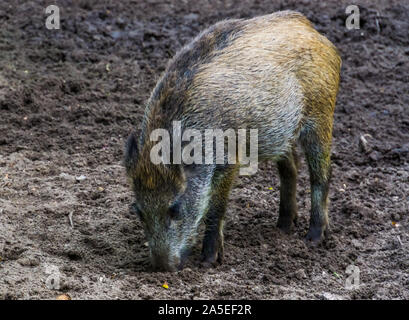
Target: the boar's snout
pixel 163 262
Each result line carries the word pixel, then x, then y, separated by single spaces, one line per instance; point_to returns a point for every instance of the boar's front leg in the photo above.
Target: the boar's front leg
pixel 212 251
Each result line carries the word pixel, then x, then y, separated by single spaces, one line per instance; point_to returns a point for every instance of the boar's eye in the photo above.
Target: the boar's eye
pixel 134 210
pixel 174 211
pixel 190 170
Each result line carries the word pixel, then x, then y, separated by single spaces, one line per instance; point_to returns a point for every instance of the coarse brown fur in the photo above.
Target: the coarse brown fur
pixel 274 73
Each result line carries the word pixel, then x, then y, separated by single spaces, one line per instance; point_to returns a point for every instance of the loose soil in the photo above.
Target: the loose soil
pixel 70 97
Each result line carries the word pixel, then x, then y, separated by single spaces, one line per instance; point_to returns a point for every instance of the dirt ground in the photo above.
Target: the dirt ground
pixel 70 97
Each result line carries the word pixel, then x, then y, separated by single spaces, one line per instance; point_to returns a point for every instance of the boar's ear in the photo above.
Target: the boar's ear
pixel 131 152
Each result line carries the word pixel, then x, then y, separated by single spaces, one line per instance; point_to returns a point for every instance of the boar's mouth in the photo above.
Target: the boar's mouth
pixel 170 264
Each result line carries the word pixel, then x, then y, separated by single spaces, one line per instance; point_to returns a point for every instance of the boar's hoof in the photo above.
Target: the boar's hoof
pixel 286 225
pixel 212 261
pixel 316 235
pixel 207 265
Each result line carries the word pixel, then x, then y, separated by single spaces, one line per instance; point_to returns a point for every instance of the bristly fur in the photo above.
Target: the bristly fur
pixel 274 73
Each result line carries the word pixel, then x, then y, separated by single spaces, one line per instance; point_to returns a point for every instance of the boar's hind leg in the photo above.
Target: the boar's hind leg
pixel 287 168
pixel 316 142
pixel 212 251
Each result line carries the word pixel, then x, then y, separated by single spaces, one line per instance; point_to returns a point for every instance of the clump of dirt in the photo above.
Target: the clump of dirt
pixel 70 97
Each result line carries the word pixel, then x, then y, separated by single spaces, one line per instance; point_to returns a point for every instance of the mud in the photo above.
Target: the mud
pixel 70 97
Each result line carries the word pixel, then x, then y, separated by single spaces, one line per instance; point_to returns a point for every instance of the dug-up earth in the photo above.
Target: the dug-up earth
pixel 70 97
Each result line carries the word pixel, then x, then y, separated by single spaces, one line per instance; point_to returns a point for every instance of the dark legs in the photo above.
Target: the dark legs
pixel 317 147
pixel 316 142
pixel 212 250
pixel 318 158
pixel 287 168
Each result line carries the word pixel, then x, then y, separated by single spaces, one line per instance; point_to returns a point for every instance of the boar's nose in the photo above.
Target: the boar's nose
pixel 164 263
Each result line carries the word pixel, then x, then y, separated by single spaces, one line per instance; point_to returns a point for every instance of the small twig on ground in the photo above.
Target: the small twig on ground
pixel 400 241
pixel 70 218
pixel 366 49
pixel 377 22
pixel 363 143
